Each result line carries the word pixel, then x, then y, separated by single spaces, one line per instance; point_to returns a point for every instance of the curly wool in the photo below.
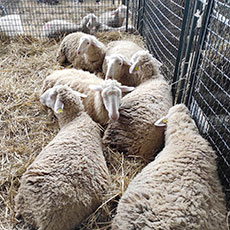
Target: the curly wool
pixel 134 133
pixel 180 189
pixel 66 181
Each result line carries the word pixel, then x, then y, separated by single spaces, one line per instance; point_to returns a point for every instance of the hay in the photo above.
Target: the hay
pixel 26 126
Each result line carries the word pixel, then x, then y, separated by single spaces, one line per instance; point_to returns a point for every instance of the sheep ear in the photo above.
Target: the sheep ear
pixel 95 87
pixel 59 105
pixel 133 68
pixel 80 94
pixel 161 122
pixel 48 98
pixel 126 62
pixel 115 12
pixel 126 88
pixel 159 64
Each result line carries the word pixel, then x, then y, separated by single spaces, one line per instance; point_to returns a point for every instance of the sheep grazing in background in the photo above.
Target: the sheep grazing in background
pixel 117 61
pixel 180 189
pixel 115 18
pixel 55 28
pixel 11 25
pixel 52 2
pixel 66 181
pixel 144 66
pixel 134 133
pixel 83 51
pixel 103 97
pixel 93 52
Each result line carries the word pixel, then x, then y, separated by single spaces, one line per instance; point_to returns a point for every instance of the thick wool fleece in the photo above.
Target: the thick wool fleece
pixel 180 189
pixel 134 132
pixel 80 80
pixel 66 181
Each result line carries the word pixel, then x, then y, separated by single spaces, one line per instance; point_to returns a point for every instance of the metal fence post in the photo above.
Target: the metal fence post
pixel 188 50
pixel 127 17
pixel 180 49
pixel 201 39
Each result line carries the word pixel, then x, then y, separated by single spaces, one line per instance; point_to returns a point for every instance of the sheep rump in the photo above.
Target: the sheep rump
pixel 66 181
pixel 180 189
pixel 134 133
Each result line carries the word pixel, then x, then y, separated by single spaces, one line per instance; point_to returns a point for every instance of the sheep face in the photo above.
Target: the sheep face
pixel 84 44
pixel 111 93
pixel 116 65
pixel 140 58
pixel 90 20
pixel 121 11
pixel 55 98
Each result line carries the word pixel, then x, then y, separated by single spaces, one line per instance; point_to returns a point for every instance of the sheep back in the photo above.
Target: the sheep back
pixel 66 181
pixel 80 80
pixel 134 132
pixel 179 190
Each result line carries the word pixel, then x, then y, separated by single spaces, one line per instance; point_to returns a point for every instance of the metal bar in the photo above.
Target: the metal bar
pixel 188 51
pixel 180 49
pixel 127 17
pixel 201 39
pixel 143 12
pixel 139 15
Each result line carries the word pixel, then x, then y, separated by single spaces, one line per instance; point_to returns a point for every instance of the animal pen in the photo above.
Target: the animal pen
pixel 190 38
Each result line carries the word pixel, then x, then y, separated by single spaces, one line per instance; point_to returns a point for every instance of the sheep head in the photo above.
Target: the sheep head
pixel 57 96
pixel 116 66
pixel 111 93
pixel 142 58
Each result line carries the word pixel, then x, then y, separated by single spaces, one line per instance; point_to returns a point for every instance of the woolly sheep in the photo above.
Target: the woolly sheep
pixel 11 25
pixel 92 53
pixel 117 61
pixel 66 181
pixel 55 28
pixel 104 28
pixel 134 133
pixel 103 97
pixel 180 188
pixel 115 18
pixel 144 66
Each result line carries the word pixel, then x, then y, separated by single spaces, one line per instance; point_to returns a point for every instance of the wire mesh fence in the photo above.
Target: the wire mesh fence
pixel 31 17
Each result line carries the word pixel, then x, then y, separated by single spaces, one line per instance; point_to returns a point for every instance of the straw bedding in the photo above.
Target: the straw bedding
pixel 26 126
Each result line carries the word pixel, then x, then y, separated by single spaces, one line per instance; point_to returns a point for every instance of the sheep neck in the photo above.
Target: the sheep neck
pixel 93 53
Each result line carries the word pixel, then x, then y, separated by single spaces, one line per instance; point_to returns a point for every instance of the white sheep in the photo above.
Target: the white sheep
pixel 57 27
pixel 82 50
pixel 180 189
pixel 134 133
pixel 66 181
pixel 117 61
pixel 93 52
pixel 103 97
pixel 115 18
pixel 11 25
pixel 104 28
pixel 144 67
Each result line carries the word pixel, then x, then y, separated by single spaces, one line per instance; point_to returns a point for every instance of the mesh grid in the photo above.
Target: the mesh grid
pixel 35 13
pixel 162 21
pixel 211 94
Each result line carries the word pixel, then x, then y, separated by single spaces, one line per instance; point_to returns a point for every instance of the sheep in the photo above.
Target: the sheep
pixel 75 49
pixel 3 10
pixel 114 18
pixel 134 133
pixel 55 28
pixel 66 181
pixel 180 189
pixel 11 25
pixel 144 66
pixel 117 61
pixel 51 2
pixel 103 97
pixel 104 28
pixel 93 52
